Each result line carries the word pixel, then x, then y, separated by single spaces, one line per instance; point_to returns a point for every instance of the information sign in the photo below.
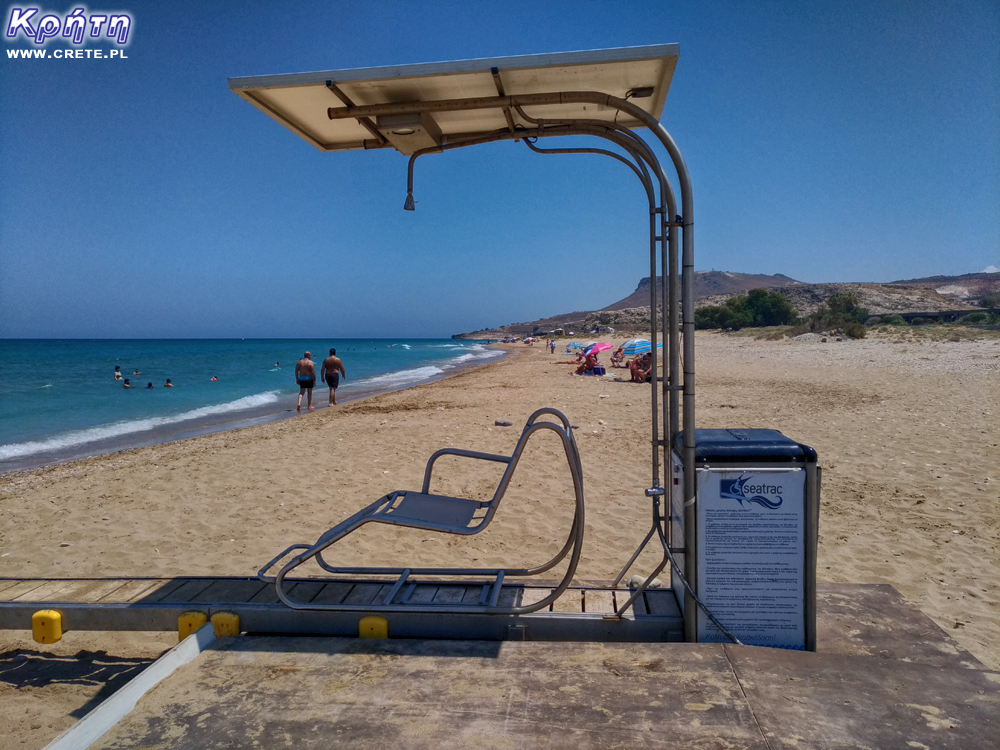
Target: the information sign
pixel 751 555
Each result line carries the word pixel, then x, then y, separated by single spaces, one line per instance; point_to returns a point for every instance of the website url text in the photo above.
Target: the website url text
pixel 65 54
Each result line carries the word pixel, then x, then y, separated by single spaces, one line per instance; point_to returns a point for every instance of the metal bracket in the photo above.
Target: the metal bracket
pixel 364 121
pixel 515 632
pixel 506 110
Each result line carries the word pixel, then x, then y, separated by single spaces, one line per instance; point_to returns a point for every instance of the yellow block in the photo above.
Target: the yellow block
pixel 373 626
pixel 46 626
pixel 189 622
pixel 225 623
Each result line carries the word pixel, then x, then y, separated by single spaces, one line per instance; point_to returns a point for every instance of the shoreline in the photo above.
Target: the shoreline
pixel 210 425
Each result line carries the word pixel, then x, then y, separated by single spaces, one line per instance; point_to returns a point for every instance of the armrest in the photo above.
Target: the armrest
pixel 462 453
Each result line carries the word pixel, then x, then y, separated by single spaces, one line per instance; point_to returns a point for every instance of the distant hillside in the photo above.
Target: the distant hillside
pixel 969 287
pixel 706 283
pixel 878 299
pixel 937 293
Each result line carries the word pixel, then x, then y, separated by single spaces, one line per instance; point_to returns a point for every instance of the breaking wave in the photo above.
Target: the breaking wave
pixel 104 432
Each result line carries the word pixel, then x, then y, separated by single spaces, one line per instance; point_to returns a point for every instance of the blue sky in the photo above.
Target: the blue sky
pixel 139 197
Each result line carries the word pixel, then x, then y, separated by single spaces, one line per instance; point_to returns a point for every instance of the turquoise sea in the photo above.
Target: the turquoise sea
pixel 59 399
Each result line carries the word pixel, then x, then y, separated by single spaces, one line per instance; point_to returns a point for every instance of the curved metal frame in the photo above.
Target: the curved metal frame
pixel 574 541
pixel 642 156
pixel 676 416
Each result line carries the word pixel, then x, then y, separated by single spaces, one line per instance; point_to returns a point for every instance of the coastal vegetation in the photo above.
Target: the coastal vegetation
pixel 840 312
pixel 755 309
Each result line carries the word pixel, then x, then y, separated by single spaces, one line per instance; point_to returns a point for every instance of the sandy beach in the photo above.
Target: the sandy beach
pixel 905 429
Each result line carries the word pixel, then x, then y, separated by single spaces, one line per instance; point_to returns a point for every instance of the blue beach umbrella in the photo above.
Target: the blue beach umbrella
pixel 637 346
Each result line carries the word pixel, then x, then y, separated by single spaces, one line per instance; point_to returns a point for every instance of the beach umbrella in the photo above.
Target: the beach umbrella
pixel 637 346
pixel 597 348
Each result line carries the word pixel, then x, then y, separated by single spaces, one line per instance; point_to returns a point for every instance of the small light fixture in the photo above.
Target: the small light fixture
pixel 409 132
pixel 409 204
pixel 641 92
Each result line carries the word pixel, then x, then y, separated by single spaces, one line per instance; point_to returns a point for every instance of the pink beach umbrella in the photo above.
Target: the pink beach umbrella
pixel 597 348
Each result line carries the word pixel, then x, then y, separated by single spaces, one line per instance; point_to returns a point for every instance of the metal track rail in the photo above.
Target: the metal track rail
pixel 580 614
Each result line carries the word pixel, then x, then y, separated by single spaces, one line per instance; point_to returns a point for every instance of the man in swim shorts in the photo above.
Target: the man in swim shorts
pixel 332 371
pixel 305 376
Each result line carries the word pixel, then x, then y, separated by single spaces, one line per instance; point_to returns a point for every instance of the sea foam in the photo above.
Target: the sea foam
pixel 401 377
pixel 117 429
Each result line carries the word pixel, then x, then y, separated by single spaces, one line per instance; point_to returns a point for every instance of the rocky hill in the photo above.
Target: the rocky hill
pixel 878 299
pixel 969 287
pixel 932 294
pixel 706 284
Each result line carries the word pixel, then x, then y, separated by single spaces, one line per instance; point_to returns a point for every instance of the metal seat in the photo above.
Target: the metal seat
pixel 449 515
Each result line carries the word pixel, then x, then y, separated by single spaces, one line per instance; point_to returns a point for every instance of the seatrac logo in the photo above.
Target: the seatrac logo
pixel 743 491
pixel 78 26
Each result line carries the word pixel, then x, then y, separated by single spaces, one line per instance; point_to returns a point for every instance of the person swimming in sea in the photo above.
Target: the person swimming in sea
pixel 118 372
pixel 126 384
pixel 168 384
pixel 149 385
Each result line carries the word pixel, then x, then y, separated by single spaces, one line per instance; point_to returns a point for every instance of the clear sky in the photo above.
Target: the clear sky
pixel 842 140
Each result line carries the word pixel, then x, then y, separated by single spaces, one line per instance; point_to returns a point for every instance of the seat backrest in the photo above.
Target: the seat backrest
pixel 564 430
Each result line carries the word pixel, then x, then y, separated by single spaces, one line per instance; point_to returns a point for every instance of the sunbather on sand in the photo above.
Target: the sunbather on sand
pixel 617 357
pixel 589 362
pixel 640 368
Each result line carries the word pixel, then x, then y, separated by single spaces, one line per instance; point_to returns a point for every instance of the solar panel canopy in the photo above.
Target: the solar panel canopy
pixel 300 101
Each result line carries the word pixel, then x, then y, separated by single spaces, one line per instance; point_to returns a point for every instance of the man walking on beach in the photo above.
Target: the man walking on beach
pixel 332 371
pixel 305 376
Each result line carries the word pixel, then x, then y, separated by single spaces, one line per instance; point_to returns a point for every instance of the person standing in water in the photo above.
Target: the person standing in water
pixel 305 376
pixel 332 371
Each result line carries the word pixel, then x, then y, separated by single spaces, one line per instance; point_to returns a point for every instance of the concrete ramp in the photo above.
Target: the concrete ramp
pixel 336 692
pixel 885 677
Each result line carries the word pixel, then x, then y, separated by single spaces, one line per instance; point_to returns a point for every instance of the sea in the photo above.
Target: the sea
pixel 59 399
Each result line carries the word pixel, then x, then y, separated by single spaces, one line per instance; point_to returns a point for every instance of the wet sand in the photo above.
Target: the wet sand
pixel 905 431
